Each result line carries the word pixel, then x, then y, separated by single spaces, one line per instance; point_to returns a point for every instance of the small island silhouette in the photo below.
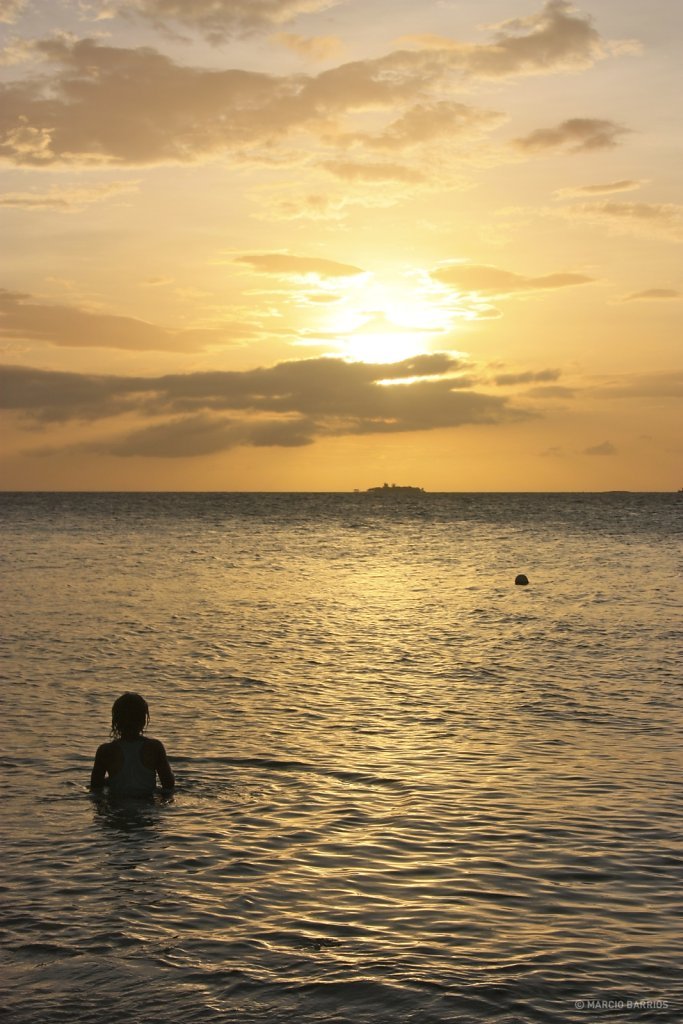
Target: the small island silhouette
pixel 395 489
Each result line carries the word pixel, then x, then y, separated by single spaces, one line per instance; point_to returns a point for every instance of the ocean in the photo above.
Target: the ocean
pixel 408 790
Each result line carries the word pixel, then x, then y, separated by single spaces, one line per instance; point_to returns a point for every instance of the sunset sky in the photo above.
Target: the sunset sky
pixel 317 245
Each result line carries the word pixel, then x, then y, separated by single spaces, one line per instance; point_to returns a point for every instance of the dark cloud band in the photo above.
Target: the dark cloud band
pixel 289 404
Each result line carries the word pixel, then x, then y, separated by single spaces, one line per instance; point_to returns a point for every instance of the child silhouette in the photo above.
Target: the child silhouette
pixel 131 762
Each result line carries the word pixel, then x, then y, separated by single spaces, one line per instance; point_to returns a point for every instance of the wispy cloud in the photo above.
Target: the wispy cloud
pixel 554 38
pixel 424 123
pixel 605 448
pixel 10 10
pixel 609 187
pixel 317 48
pixel 488 280
pixel 653 293
pixel 69 199
pixel 577 135
pixel 659 220
pixel 644 385
pixel 204 434
pixel 287 265
pixel 26 318
pixel 349 170
pixel 526 377
pixel 221 19
pixel 328 205
pixel 552 391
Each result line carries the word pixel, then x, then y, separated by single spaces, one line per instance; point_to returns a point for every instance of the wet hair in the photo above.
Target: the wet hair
pixel 129 713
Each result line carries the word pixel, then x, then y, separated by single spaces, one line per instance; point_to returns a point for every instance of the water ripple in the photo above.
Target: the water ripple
pixel 407 791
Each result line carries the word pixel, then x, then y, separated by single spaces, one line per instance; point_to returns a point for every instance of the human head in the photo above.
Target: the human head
pixel 129 714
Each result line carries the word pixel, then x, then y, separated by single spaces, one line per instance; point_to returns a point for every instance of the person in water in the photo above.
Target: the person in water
pixel 131 762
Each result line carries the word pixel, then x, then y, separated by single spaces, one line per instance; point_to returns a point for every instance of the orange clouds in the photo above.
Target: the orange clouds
pixel 606 188
pixel 22 317
pixel 305 182
pixel 101 104
pixel 67 198
pixel 319 48
pixel 297 266
pixel 487 280
pixel 553 38
pixel 577 135
pixel 219 19
pixel 348 170
pixel 658 220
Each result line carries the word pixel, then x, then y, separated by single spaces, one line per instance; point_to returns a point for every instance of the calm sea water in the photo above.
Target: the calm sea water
pixel 408 790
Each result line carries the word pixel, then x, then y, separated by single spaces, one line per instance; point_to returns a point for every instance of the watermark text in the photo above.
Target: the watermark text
pixel 621 1004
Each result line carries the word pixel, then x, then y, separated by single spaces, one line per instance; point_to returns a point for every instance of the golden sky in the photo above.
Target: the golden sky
pixel 317 245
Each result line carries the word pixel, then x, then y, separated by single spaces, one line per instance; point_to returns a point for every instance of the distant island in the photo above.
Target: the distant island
pixel 395 489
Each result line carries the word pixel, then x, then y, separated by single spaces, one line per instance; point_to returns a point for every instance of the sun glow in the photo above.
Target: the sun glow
pixel 384 347
pixel 389 326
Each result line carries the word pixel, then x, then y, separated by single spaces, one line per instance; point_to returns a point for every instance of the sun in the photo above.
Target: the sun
pixel 390 326
pixel 384 346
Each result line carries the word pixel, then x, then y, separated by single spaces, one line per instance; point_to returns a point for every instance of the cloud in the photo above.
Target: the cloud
pixel 67 198
pixel 487 280
pixel 319 48
pixel 324 298
pixel 112 105
pixel 220 19
pixel 577 191
pixel 423 123
pixel 10 10
pixel 49 396
pixel 528 377
pixel 99 104
pixel 15 51
pixel 349 170
pixel 653 293
pixel 289 404
pixel 191 436
pixel 606 448
pixel 156 282
pixel 555 38
pixel 319 206
pixel 22 317
pixel 297 266
pixel 377 322
pixel 577 135
pixel 646 385
pixel 659 220
pixel 550 391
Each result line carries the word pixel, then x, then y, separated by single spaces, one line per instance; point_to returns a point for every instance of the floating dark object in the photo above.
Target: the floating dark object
pixel 521 580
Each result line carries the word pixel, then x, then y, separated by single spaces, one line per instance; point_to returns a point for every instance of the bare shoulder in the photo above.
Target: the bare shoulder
pixel 155 746
pixel 104 763
pixel 104 751
pixel 154 753
pixel 158 759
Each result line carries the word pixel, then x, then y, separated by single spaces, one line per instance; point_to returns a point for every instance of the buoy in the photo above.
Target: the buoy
pixel 521 580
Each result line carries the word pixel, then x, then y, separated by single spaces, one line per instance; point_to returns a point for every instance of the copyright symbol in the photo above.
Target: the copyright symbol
pixel 579 1004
